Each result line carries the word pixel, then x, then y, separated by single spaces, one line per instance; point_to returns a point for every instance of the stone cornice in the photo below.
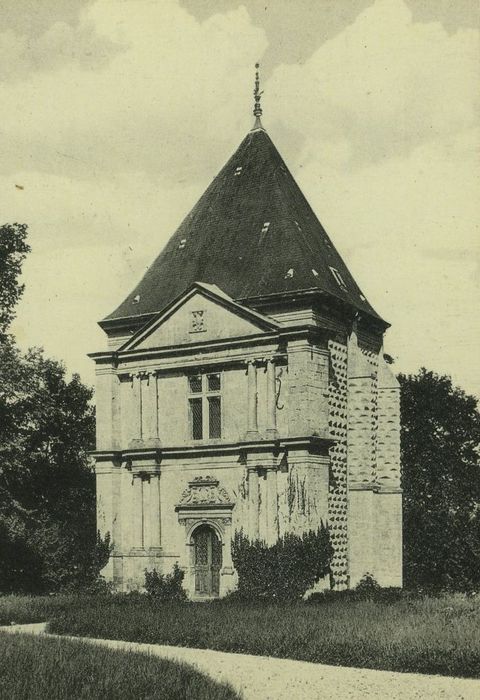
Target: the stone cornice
pixel 312 443
pixel 374 487
pixel 280 336
pixel 127 323
pixel 196 365
pixel 314 293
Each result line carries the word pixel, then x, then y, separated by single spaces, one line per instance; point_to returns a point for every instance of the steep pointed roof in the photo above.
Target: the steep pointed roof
pixel 252 234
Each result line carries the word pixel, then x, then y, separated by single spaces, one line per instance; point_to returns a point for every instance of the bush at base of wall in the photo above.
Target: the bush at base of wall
pixel 165 587
pixel 285 570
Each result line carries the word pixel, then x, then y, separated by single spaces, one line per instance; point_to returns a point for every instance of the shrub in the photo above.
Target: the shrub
pixel 165 587
pixel 285 570
pixel 368 584
pixel 386 596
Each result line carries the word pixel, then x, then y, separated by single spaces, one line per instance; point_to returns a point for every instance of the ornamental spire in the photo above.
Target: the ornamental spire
pixel 257 109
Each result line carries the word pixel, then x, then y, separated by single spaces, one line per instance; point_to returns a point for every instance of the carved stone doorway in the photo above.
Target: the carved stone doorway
pixel 207 561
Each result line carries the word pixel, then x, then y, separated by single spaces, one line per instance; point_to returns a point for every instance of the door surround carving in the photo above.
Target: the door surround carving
pixel 206 502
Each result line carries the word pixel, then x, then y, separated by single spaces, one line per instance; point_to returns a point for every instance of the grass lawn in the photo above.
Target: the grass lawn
pixel 20 609
pixel 426 635
pixel 34 667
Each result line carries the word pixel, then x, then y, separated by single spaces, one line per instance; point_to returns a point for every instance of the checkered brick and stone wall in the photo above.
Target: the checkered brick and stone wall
pixel 373 446
pixel 338 495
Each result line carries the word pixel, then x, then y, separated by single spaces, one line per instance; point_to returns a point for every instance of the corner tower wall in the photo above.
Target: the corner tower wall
pixel 373 445
pixel 338 496
pixel 358 404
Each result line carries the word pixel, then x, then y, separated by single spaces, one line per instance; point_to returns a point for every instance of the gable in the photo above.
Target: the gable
pixel 198 318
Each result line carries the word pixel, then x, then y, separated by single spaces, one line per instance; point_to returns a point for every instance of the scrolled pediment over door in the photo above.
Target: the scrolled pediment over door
pixel 205 500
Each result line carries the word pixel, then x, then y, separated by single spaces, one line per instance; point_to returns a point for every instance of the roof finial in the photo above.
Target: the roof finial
pixel 257 110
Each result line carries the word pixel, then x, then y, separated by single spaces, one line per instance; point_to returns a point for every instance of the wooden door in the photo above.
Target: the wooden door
pixel 208 561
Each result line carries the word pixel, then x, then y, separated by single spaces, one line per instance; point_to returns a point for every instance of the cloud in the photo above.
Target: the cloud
pixel 61 39
pixel 176 80
pixel 379 126
pixel 91 242
pixel 295 30
pixel 111 159
pixel 453 15
pixel 389 162
pixel 386 84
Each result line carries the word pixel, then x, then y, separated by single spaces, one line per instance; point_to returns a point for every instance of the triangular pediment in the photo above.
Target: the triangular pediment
pixel 202 313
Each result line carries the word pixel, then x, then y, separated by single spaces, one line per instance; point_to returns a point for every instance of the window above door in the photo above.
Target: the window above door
pixel 205 406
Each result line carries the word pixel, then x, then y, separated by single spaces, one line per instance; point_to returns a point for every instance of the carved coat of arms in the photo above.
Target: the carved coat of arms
pixel 197 321
pixel 204 491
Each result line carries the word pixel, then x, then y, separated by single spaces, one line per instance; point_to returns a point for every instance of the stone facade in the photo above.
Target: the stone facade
pixel 215 417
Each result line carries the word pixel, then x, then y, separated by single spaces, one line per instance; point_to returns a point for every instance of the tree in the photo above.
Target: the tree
pixel 441 483
pixel 13 249
pixel 47 490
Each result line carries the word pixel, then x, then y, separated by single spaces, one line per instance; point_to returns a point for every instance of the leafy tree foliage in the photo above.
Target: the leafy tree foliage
pixel 441 483
pixel 13 249
pixel 47 490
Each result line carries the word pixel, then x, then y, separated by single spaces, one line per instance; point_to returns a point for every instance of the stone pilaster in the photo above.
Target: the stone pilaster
pixel 155 514
pixel 271 506
pixel 253 504
pixel 108 422
pixel 116 531
pixel 103 474
pixel 109 492
pixel 137 512
pixel 150 433
pixel 146 511
pixel 252 418
pixel 271 400
pixel 136 403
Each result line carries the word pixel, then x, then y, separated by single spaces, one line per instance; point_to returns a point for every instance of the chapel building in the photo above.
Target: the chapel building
pixel 245 388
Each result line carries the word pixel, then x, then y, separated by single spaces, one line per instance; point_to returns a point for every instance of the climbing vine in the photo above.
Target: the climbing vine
pixel 285 570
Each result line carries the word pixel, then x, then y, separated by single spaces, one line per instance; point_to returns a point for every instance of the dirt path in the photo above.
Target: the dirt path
pixel 265 678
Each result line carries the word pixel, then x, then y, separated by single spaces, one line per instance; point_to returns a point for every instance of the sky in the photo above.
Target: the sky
pixel 117 114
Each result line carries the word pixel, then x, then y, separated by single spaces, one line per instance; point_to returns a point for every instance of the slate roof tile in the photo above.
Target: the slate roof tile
pixel 225 241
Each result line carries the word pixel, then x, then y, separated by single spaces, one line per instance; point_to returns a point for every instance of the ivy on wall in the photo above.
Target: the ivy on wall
pixel 285 570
